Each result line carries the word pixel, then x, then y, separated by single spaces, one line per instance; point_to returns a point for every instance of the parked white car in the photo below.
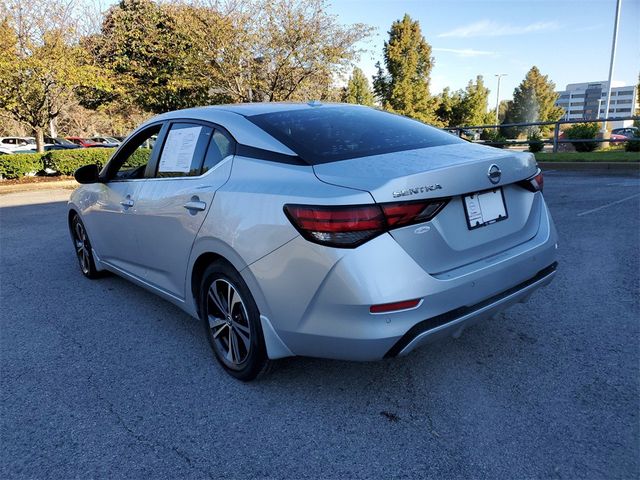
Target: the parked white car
pixel 17 143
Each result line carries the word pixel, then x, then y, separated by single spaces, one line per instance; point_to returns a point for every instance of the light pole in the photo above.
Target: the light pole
pixel 613 56
pixel 499 75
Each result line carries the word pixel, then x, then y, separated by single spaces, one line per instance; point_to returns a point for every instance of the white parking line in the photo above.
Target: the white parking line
pixel 609 205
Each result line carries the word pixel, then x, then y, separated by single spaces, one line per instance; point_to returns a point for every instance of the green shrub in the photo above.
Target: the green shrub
pixel 535 142
pixel 138 158
pixel 494 138
pixel 583 131
pixel 66 162
pixel 20 164
pixel 633 145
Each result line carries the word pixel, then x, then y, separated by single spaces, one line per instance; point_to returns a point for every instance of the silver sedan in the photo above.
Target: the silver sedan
pixel 326 230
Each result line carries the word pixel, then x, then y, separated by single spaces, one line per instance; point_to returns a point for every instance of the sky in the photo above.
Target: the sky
pixel 568 40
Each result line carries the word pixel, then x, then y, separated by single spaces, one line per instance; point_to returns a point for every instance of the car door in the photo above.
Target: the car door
pixel 111 220
pixel 194 162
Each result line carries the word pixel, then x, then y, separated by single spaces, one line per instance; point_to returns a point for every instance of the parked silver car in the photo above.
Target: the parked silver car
pixel 334 231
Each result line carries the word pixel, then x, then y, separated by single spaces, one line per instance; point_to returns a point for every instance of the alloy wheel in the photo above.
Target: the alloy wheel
pixel 228 322
pixel 83 247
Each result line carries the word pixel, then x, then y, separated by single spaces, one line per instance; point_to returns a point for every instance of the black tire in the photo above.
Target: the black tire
pixel 235 336
pixel 82 247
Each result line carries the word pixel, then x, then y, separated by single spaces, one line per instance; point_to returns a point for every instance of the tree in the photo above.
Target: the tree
pixel 502 110
pixel 404 86
pixel 40 63
pixel 144 49
pixel 534 100
pixel 303 47
pixel 448 107
pixel 464 107
pixel 176 55
pixel 358 89
pixel 472 107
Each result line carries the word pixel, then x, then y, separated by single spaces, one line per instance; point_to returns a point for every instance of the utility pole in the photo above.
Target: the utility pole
pixel 613 56
pixel 499 75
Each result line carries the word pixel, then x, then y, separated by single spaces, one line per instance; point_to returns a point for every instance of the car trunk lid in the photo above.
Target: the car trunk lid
pixel 448 171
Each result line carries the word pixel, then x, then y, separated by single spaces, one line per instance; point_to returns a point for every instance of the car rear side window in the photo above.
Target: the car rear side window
pixel 221 146
pixel 184 150
pixel 327 134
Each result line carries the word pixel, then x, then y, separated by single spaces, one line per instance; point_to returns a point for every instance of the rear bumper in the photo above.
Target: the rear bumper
pixel 455 321
pixel 317 299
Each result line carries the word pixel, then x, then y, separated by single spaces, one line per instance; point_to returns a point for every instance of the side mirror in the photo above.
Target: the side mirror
pixel 87 174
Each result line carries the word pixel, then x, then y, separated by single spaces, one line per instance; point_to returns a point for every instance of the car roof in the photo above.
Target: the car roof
pixel 233 117
pixel 250 109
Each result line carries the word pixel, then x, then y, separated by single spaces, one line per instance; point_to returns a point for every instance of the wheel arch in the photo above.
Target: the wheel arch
pixel 208 250
pixel 70 214
pixel 212 251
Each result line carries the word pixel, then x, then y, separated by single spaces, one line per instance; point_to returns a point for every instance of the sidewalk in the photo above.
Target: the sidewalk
pixel 591 166
pixel 34 197
pixel 35 186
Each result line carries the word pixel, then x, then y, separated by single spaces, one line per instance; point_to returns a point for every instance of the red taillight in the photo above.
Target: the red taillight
pixel 351 225
pixel 407 213
pixel 343 226
pixel 539 179
pixel 535 183
pixel 393 307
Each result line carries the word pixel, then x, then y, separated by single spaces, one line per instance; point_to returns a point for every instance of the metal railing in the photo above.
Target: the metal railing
pixel 555 140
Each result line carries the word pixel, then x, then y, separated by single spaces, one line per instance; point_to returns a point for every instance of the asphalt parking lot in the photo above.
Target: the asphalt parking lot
pixel 102 379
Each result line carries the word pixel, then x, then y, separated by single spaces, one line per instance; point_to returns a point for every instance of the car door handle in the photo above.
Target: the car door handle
pixel 126 203
pixel 195 205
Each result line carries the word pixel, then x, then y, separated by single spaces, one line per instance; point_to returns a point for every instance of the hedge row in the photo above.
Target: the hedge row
pixel 65 162
pixel 20 164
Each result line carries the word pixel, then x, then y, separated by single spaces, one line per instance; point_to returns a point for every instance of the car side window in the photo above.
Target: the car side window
pixel 221 146
pixel 184 150
pixel 132 160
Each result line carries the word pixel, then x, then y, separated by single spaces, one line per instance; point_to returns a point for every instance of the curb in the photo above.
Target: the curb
pixel 28 187
pixel 619 166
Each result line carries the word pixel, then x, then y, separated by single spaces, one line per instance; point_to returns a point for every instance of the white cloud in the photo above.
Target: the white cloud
pixel 490 28
pixel 464 52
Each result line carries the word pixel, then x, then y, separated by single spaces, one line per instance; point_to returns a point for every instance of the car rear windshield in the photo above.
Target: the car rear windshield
pixel 326 134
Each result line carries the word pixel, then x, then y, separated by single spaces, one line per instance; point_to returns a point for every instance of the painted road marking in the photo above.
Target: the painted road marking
pixel 608 205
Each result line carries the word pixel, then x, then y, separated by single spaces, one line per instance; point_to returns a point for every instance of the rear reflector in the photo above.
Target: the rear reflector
pixel 348 226
pixel 393 307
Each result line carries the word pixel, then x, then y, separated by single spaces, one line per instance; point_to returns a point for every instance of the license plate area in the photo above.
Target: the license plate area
pixel 485 208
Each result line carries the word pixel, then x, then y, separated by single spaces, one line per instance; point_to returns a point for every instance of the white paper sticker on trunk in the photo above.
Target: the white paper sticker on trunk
pixel 178 150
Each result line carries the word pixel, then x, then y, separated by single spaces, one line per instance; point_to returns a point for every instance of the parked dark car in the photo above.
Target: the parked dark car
pixel 58 143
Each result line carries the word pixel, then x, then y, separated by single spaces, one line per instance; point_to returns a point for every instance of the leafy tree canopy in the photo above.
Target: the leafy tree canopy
pixel 403 85
pixel 534 100
pixel 464 107
pixel 169 56
pixel 358 89
pixel 41 64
